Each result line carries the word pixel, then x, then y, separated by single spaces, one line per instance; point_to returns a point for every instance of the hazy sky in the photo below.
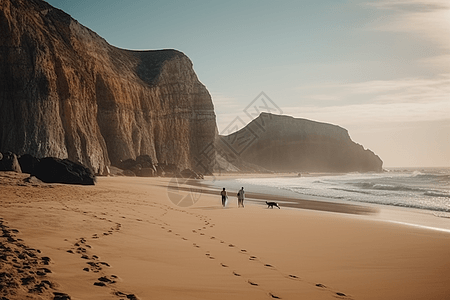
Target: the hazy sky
pixel 380 69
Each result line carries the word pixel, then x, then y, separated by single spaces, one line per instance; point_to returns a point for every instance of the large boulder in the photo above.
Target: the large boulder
pixel 127 164
pixel 56 170
pixel 147 172
pixel 9 162
pixel 28 163
pixel 145 161
pixel 169 169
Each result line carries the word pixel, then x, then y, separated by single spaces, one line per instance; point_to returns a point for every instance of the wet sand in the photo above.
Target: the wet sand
pixel 126 239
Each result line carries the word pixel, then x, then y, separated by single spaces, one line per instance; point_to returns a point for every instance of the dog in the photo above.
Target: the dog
pixel 272 204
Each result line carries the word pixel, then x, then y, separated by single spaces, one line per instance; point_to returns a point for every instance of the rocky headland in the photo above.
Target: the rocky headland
pixel 285 144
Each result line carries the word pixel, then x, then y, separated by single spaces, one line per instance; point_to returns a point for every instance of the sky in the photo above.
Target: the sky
pixel 380 69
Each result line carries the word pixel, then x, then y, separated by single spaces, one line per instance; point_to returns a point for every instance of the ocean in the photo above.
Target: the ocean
pixel 418 188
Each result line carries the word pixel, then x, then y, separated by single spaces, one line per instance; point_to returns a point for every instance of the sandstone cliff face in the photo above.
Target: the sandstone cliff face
pixel 65 92
pixel 286 144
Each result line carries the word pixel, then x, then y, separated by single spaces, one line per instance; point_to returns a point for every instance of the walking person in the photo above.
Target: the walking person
pixel 224 197
pixel 241 197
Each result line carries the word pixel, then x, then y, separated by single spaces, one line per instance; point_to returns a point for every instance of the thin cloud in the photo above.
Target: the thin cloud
pixel 375 113
pixel 411 90
pixel 407 90
pixel 428 18
pixel 412 5
pixel 399 100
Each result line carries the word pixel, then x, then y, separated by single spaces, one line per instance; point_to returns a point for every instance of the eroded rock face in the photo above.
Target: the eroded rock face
pixel 65 92
pixel 287 144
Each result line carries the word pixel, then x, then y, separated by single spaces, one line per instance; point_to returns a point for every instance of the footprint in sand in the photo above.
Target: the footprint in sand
pixel 320 285
pixel 252 283
pixel 236 274
pixel 128 296
pixel 81 250
pixel 223 265
pixel 274 296
pixel 60 296
pixel 293 276
pixel 267 265
pixel 230 245
pixel 252 258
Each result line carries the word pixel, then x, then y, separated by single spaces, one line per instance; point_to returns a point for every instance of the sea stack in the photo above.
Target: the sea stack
pixel 66 93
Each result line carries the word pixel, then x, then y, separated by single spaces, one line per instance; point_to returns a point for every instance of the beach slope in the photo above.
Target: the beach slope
pixel 125 239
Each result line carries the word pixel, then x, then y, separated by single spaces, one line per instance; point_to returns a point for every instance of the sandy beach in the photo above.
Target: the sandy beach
pixel 124 238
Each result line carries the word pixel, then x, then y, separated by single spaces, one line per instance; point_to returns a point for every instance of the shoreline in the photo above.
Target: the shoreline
pixel 407 216
pixel 125 238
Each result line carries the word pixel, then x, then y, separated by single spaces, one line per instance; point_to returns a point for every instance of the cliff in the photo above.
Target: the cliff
pixel 286 144
pixel 65 92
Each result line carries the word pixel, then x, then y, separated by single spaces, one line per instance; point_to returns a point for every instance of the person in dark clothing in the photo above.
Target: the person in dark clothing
pixel 241 197
pixel 224 197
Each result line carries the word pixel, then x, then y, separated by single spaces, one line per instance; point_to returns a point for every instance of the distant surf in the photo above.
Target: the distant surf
pixel 427 189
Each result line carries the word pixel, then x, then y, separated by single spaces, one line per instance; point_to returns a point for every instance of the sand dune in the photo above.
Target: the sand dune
pixel 125 239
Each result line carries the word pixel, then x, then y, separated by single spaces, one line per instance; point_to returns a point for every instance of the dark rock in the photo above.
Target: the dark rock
pixel 129 173
pixel 144 160
pixel 136 169
pixel 169 169
pixel 127 164
pixel 143 166
pixel 9 162
pixel 28 163
pixel 55 170
pixel 114 171
pixel 147 172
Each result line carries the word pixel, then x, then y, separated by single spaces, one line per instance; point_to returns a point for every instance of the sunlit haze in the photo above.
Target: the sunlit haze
pixel 380 69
